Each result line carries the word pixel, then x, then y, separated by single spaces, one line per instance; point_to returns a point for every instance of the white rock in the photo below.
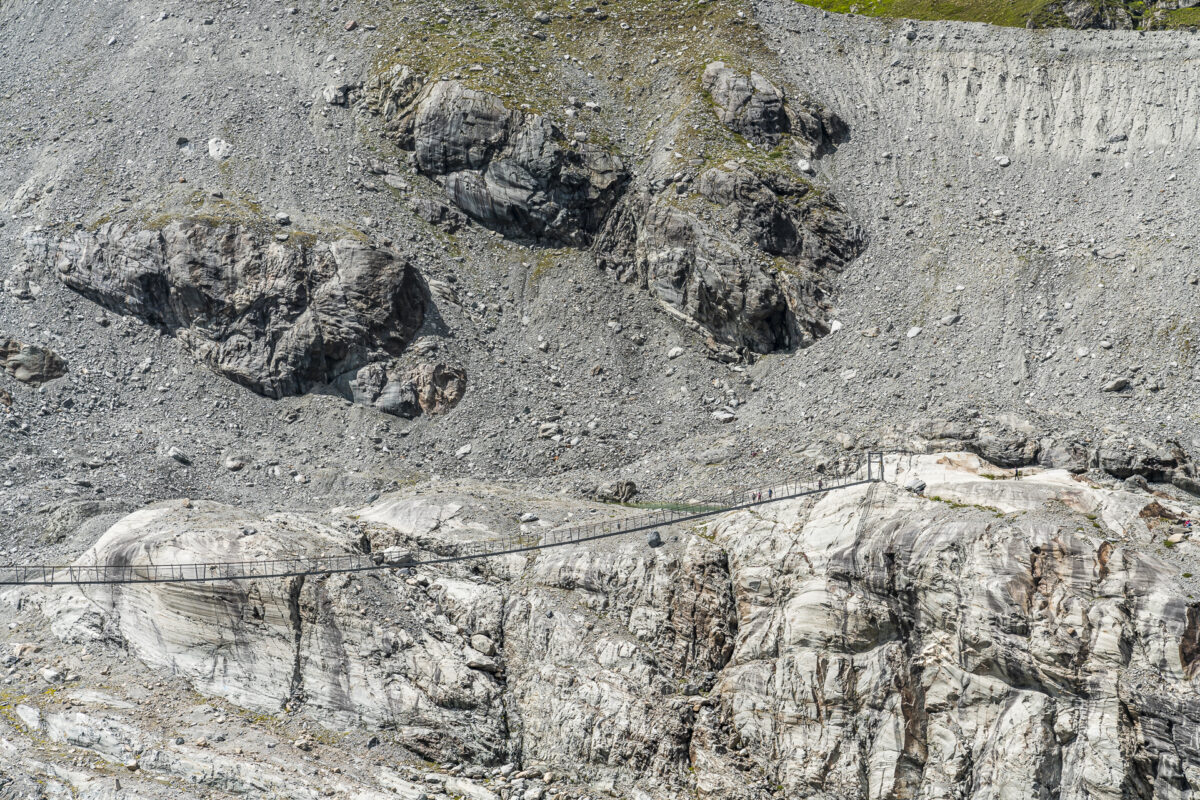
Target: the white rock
pixel 914 332
pixel 219 149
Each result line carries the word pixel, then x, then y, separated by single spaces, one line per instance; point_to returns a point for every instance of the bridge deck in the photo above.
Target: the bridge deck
pixel 808 483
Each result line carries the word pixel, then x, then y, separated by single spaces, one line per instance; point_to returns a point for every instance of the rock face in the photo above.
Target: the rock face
pixel 897 656
pixel 758 110
pixel 29 363
pixel 869 643
pixel 1082 14
pixel 748 259
pixel 753 275
pixel 286 642
pixel 431 388
pixel 511 171
pixel 277 318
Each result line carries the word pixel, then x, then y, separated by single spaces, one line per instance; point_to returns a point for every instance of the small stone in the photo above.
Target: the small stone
pixel 351 25
pixel 233 463
pixel 914 332
pixel 805 166
pixel 50 675
pixel 1120 384
pixel 1003 161
pixel 724 416
pixel 542 17
pixel 219 149
pixel 465 450
pixel 528 517
pixel 674 353
pixel 179 455
pixel 950 319
pixel 483 644
pixel 654 539
pixel 282 218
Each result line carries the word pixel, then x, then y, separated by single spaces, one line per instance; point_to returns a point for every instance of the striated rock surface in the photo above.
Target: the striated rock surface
pixel 429 388
pixel 511 171
pixel 992 638
pixel 283 643
pixel 277 318
pixel 759 110
pixel 755 273
pixel 29 363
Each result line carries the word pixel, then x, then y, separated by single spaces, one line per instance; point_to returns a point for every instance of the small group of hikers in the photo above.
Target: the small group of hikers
pixel 758 496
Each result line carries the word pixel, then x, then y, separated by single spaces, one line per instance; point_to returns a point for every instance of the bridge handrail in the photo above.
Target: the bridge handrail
pixel 807 482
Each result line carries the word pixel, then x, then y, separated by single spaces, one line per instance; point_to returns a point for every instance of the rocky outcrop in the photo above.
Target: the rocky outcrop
pixel 759 110
pixel 886 654
pixel 429 388
pixel 992 638
pixel 511 171
pixel 752 270
pixel 275 317
pixel 29 363
pixel 1082 14
pixel 287 643
pixel 1011 443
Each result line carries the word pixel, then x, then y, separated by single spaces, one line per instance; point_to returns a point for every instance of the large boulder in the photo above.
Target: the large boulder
pixel 29 363
pixel 429 388
pixel 511 171
pixel 756 108
pixel 1123 456
pixel 276 317
pixel 753 274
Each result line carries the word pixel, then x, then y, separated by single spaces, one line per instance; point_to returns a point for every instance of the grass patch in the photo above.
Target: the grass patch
pixel 978 507
pixel 1181 18
pixel 1007 13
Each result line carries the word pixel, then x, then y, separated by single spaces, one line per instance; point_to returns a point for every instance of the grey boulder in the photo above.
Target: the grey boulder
pixel 29 363
pixel 275 317
pixel 759 110
pixel 511 171
pixel 429 388
pixel 755 275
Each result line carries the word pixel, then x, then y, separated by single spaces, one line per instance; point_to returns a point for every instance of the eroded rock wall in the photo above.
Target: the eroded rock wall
pixel 993 638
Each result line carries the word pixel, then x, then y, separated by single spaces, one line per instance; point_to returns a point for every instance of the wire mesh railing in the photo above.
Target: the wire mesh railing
pixel 850 471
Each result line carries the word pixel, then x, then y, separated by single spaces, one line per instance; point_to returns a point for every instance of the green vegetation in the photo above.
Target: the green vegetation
pixel 1009 13
pixel 1184 17
pixel 955 504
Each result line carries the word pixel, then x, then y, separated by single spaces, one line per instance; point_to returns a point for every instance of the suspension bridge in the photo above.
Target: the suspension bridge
pixel 866 468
